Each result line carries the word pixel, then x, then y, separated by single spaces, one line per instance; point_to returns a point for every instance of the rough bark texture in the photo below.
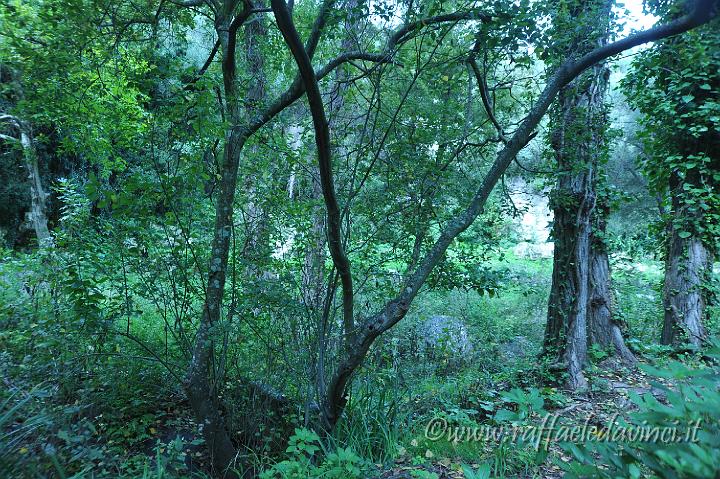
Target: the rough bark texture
pixel 579 124
pixel 200 382
pixel 573 202
pixel 603 329
pixel 687 269
pixel 38 196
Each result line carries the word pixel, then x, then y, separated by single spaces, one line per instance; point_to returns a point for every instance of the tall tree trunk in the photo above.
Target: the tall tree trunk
pixel 37 216
pixel 201 383
pixel 314 263
pixel 336 108
pixel 577 139
pixel 573 202
pixel 688 266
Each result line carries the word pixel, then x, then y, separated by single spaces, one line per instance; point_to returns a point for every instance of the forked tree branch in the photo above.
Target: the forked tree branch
pixel 399 37
pixel 322 140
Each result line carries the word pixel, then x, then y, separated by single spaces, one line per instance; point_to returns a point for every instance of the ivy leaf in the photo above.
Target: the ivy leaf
pixel 684 234
pixel 705 86
pixel 687 98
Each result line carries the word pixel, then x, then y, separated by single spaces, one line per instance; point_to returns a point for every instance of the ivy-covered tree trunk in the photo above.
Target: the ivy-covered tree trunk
pixel 676 86
pixel 573 201
pixel 687 269
pixel 578 141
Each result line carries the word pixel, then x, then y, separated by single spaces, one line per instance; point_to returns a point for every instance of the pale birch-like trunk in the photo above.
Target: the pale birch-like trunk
pixel 37 216
pixel 38 197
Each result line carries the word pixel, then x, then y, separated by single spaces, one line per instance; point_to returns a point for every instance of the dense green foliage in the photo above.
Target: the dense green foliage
pixel 191 288
pixel 675 86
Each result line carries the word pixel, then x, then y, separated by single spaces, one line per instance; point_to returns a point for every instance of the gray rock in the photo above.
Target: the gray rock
pixel 518 347
pixel 444 333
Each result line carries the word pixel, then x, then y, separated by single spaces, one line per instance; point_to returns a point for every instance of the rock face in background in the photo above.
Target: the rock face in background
pixel 528 250
pixel 444 333
pixel 533 223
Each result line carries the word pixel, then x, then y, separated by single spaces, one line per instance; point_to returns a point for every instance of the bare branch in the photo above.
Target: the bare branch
pixel 205 66
pixel 482 86
pixel 9 138
pixel 188 3
pixel 404 33
pixel 320 21
pixel 11 119
pixel 297 88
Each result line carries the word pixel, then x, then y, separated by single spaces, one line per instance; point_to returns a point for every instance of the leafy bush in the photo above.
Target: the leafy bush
pixel 303 447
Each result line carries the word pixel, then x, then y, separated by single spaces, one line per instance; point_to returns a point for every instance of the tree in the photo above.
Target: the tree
pixel 394 310
pixel 579 311
pixel 675 86
pixel 423 37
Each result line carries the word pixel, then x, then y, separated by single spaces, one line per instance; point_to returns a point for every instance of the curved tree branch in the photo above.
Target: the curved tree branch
pixel 401 35
pixel 322 140
pixel 482 86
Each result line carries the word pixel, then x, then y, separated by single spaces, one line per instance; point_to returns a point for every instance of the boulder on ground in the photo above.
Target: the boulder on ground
pixel 517 348
pixel 444 333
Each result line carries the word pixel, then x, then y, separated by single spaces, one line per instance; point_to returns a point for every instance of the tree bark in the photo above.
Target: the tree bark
pixel 38 196
pixel 573 201
pixel 200 382
pixel 603 329
pixel 578 137
pixel 688 267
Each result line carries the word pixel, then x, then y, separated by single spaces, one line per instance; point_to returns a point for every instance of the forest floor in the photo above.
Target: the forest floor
pixel 609 398
pixel 109 411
